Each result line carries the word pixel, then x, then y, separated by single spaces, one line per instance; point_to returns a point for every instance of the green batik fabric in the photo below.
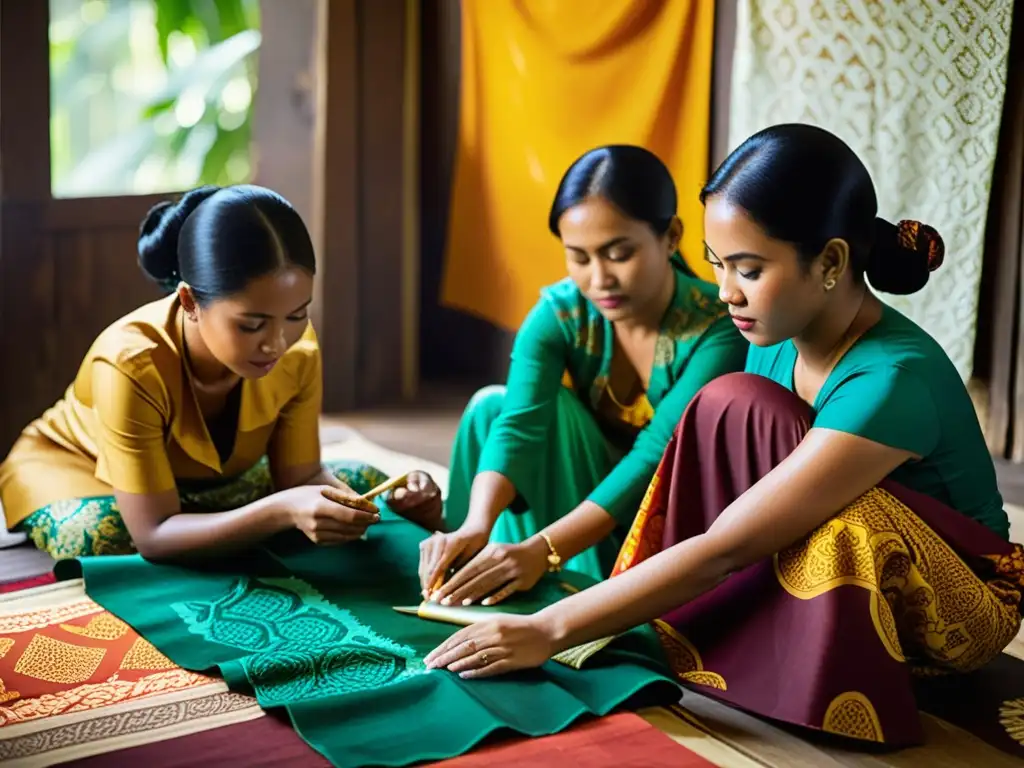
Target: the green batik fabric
pixel 93 526
pixel 313 630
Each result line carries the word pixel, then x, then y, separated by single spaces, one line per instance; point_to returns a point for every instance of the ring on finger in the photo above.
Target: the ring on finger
pixel 483 659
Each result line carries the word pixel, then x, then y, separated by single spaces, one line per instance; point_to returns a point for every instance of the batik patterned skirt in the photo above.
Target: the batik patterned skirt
pixel 830 632
pixel 81 527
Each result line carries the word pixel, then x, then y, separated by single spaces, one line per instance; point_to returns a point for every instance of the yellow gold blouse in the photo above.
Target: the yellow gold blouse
pixel 130 419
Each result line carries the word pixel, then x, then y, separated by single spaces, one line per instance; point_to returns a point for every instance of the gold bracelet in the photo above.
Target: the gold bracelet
pixel 554 560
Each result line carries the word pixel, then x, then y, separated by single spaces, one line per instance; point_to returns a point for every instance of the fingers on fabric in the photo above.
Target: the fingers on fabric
pixel 502 594
pixel 432 564
pixel 476 662
pixel 493 669
pixel 475 651
pixel 455 647
pixel 492 568
pixel 444 553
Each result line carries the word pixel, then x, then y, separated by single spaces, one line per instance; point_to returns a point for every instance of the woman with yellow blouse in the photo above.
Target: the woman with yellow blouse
pixel 191 428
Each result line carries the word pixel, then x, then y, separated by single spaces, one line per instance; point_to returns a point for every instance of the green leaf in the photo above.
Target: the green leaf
pixel 178 140
pixel 231 14
pixel 220 152
pixel 154 110
pixel 211 67
pixel 171 16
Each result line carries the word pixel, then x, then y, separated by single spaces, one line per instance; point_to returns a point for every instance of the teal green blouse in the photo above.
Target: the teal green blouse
pixel 896 386
pixel 565 332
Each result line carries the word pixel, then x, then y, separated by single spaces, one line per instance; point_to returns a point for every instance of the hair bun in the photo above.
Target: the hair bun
pixel 921 238
pixel 158 237
pixel 903 256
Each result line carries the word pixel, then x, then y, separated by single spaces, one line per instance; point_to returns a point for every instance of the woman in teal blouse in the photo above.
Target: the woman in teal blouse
pixel 825 526
pixel 557 461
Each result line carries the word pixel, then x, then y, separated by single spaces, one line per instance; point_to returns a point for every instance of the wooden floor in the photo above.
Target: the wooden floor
pixel 428 429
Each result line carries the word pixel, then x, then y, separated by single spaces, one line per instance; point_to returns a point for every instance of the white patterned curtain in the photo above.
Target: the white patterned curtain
pixel 916 89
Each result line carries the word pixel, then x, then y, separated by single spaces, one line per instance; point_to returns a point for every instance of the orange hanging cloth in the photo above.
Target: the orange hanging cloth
pixel 543 81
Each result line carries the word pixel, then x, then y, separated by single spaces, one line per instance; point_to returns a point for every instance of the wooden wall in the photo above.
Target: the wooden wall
pixel 68 267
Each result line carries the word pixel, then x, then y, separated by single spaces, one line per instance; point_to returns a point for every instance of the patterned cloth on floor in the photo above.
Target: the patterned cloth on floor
pixel 313 630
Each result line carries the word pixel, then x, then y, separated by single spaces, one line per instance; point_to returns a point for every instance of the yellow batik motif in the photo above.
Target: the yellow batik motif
pixel 852 714
pixel 143 656
pixel 58 662
pixel 926 603
pixel 684 659
pixel 1011 717
pixel 6 644
pixel 102 627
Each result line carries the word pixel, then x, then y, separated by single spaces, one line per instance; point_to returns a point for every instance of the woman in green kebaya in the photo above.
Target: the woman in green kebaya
pixel 551 468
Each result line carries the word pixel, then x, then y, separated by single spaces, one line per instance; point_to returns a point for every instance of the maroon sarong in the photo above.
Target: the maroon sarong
pixel 828 633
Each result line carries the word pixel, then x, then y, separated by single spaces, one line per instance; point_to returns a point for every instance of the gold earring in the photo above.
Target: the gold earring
pixel 830 284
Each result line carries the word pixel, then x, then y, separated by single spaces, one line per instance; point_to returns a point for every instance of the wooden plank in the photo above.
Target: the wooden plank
pixel 336 198
pixel 411 203
pixel 99 282
pixel 98 213
pixel 26 268
pixel 381 95
pixel 946 746
pixel 30 345
pixel 25 100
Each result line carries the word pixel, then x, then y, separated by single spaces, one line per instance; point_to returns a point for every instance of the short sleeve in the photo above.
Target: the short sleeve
pixel 296 438
pixel 722 350
pixel 534 380
pixel 131 427
pixel 889 405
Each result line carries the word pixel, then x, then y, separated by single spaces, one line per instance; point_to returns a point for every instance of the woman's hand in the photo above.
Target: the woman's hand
pixel 443 551
pixel 494 647
pixel 419 501
pixel 499 570
pixel 327 515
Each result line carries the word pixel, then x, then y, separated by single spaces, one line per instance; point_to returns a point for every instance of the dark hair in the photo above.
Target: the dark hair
pixel 804 185
pixel 631 178
pixel 218 239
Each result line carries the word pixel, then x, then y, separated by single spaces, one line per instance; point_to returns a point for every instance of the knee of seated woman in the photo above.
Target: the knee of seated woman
pixel 79 528
pixel 486 404
pixel 746 387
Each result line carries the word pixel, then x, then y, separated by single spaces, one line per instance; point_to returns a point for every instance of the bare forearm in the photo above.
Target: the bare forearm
pixel 490 495
pixel 643 593
pixel 581 529
pixel 202 535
